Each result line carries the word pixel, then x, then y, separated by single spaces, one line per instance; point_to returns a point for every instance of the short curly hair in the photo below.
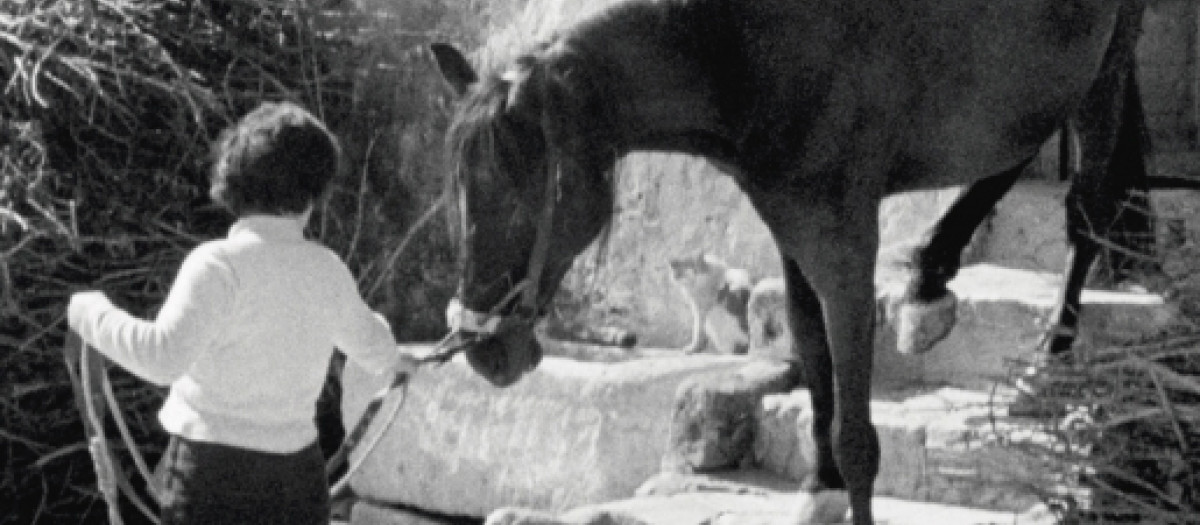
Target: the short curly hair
pixel 278 159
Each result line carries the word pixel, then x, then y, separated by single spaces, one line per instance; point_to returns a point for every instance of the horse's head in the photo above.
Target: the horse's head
pixel 531 176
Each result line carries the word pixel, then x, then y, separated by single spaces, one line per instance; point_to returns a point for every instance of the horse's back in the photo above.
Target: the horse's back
pixel 956 89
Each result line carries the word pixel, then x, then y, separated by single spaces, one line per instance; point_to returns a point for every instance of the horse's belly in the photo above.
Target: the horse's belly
pixel 990 103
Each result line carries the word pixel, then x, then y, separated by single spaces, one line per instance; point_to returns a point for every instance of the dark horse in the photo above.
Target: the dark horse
pixel 818 109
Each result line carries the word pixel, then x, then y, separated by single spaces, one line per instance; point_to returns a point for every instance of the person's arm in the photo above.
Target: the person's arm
pixel 160 351
pixel 364 335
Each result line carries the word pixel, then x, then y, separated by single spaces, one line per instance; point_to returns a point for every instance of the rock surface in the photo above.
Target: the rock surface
pixel 937 445
pixel 365 513
pixel 747 498
pixel 713 424
pixel 757 501
pixel 569 434
pixel 1001 315
pixel 1002 318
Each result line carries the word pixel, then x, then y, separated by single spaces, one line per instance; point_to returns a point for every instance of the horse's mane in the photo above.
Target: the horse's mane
pixel 481 141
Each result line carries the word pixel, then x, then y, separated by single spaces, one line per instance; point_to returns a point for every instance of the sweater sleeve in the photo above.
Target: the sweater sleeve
pixel 160 351
pixel 362 334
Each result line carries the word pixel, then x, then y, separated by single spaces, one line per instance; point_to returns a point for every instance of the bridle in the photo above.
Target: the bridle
pixel 495 321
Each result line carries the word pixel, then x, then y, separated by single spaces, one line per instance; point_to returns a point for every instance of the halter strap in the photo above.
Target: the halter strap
pixel 490 322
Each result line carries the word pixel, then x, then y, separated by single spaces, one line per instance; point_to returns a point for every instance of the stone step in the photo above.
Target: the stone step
pixel 943 445
pixel 746 498
pixel 754 496
pixel 1002 318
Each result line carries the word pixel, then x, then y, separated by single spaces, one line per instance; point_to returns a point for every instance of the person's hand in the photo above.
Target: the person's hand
pixel 405 364
pixel 81 303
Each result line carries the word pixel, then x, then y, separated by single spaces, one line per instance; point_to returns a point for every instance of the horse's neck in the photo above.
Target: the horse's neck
pixel 667 82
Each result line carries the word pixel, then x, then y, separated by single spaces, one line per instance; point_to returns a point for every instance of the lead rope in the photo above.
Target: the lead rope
pixel 98 446
pixel 109 480
pixel 442 353
pixel 399 382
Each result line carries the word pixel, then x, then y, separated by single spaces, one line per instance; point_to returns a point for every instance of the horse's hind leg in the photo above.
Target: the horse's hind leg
pixel 1113 142
pixel 1113 145
pixel 926 313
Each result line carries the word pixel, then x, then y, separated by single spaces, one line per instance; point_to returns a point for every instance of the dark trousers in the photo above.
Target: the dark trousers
pixel 210 484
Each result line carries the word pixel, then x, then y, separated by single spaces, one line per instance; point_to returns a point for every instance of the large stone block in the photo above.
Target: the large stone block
pixel 713 422
pixel 946 445
pixel 1177 215
pixel 570 433
pixel 784 443
pixel 1002 319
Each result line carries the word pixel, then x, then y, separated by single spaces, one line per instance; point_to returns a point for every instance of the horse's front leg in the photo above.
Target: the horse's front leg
pixel 926 312
pixel 840 264
pixel 835 250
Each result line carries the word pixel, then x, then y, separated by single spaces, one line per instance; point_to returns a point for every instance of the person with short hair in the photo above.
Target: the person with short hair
pixel 246 333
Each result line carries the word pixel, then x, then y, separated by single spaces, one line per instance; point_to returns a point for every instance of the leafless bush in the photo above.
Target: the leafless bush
pixel 105 121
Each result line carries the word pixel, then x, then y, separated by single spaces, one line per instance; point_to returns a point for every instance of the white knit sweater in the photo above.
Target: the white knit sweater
pixel 245 336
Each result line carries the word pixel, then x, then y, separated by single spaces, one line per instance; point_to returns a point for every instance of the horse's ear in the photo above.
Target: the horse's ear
pixel 454 67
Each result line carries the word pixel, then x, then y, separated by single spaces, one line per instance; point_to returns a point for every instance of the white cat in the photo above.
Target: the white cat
pixel 717 296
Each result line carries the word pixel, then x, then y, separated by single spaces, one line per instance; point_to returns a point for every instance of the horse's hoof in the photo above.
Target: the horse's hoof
pixel 919 326
pixel 827 506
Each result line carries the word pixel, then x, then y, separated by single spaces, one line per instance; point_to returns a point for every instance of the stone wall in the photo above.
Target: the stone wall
pixel 673 206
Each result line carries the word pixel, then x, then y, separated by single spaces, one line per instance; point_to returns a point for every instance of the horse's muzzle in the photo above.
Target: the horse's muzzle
pixel 504 357
pixel 504 348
